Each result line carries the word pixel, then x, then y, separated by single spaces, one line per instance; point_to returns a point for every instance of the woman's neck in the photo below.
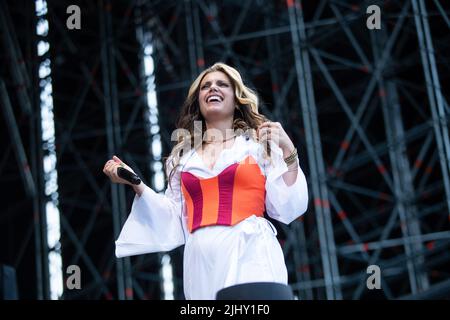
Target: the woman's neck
pixel 219 130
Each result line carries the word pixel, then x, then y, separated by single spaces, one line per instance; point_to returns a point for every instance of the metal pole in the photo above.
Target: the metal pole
pixel 123 275
pixel 191 38
pixel 434 92
pixel 317 167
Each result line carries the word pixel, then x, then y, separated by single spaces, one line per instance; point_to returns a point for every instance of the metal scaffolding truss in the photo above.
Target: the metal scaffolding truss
pixel 363 116
pixel 367 109
pixel 110 108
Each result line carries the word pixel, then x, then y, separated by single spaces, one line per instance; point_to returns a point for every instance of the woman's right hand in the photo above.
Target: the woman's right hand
pixel 110 169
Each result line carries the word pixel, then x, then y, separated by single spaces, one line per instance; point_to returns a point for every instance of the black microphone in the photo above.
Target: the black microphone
pixel 128 175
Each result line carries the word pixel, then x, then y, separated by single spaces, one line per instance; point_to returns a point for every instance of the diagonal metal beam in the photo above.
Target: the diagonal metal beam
pixel 344 25
pixel 353 119
pixel 17 66
pixel 372 83
pixel 434 92
pixel 403 187
pixel 237 26
pixel 316 163
pixel 442 12
pixel 114 141
pixel 19 151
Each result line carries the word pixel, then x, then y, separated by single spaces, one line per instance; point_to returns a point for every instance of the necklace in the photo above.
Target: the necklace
pixel 224 140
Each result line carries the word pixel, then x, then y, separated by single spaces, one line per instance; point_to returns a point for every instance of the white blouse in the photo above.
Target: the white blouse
pixel 216 257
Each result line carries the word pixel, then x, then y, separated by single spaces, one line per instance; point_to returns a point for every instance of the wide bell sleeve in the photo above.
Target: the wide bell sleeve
pixel 155 222
pixel 284 203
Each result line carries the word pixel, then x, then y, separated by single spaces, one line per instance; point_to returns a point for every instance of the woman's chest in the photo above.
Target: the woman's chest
pixel 209 154
pixel 210 162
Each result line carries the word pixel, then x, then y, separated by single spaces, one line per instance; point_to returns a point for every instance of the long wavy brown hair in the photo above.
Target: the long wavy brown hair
pixel 246 115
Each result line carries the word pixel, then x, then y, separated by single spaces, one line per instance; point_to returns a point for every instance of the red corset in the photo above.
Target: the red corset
pixel 226 199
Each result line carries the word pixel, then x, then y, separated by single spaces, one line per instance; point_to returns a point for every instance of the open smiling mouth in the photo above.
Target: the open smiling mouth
pixel 214 99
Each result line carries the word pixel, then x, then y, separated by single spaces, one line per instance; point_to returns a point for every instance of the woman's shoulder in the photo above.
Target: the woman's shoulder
pixel 178 161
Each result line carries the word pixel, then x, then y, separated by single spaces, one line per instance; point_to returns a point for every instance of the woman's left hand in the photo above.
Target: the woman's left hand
pixel 274 131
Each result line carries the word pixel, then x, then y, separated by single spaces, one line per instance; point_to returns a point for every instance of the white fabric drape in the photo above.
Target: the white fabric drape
pixel 217 256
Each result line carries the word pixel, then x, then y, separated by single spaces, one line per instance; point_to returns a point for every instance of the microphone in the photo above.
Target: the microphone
pixel 128 175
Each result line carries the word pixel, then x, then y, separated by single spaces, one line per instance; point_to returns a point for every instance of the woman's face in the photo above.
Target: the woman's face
pixel 216 96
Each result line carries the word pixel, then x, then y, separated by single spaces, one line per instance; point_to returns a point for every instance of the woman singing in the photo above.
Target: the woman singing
pixel 229 167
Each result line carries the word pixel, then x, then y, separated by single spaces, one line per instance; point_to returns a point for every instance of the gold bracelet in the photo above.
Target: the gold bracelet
pixel 291 163
pixel 292 157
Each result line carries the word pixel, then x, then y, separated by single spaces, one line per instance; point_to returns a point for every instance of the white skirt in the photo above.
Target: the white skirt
pixel 216 257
